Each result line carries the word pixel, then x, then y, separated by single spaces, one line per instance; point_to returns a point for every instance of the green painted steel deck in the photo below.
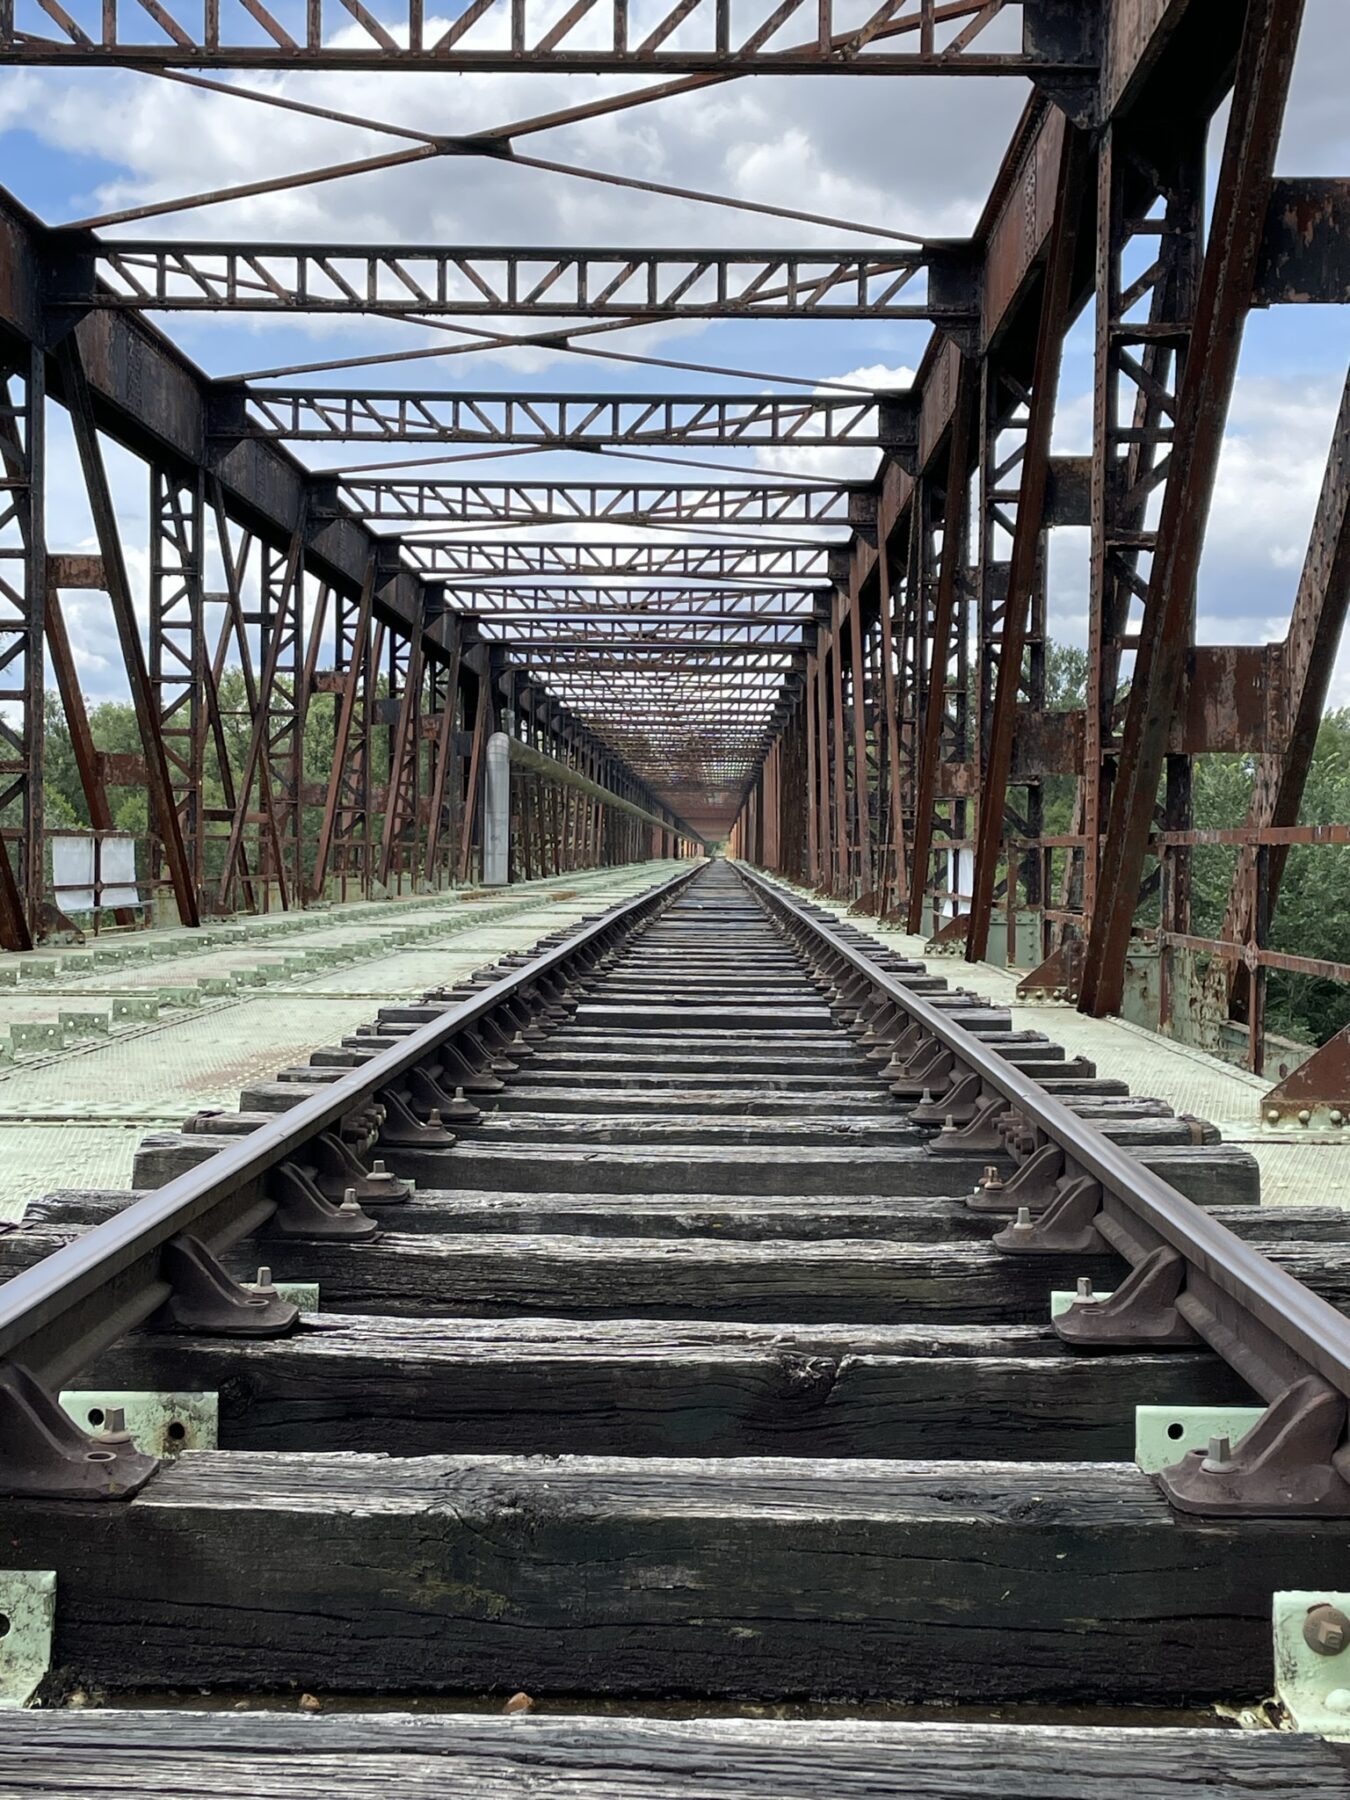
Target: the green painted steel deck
pixel 231 1005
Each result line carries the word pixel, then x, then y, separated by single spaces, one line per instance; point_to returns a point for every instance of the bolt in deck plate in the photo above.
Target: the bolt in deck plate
pixel 1061 1299
pixel 28 1613
pixel 161 1424
pixel 40 969
pixel 179 996
pixel 134 1006
pixel 304 1294
pixel 1314 1689
pixel 1164 1434
pixel 83 1024
pixel 37 1034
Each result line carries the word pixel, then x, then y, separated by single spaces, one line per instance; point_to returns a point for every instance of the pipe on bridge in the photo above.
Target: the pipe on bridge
pixel 502 751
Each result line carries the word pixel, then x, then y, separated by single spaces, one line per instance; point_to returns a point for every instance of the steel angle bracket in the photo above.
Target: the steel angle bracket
pixel 1063 1300
pixel 303 1295
pixel 1285 1466
pixel 1312 1659
pixel 27 1622
pixel 160 1424
pixel 1165 1434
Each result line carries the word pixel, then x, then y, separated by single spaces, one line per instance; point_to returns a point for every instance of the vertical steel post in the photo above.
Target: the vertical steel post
pixel 1265 64
pixel 1025 563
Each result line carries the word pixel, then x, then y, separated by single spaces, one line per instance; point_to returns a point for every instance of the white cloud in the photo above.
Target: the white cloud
pixel 841 464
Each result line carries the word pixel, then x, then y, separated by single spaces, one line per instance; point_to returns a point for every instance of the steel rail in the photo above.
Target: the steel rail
pixel 75 1303
pixel 1306 1325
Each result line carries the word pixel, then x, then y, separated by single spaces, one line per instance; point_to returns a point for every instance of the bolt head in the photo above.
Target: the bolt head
pixel 1326 1629
pixel 1084 1287
pixel 1304 1116
pixel 1273 1116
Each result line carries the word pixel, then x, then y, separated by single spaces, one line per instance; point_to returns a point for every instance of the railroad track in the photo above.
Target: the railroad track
pixel 684 1341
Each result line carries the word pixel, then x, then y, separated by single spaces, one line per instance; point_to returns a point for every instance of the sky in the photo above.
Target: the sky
pixel 914 155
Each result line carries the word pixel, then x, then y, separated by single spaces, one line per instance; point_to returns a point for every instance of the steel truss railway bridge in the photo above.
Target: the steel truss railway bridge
pixel 845 679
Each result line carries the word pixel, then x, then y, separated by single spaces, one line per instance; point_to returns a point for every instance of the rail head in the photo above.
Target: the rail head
pixel 1273 1330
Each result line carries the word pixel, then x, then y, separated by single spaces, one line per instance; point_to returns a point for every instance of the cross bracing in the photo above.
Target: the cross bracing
pixel 812 610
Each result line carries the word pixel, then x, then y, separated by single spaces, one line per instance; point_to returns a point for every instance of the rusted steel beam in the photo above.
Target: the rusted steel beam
pixel 14 930
pixel 23 593
pixel 857 710
pixel 1138 361
pixel 1265 65
pixel 952 37
pixel 178 645
pixel 1305 248
pixel 821 798
pixel 483 502
pixel 1308 657
pixel 554 421
pixel 80 402
pixel 774 563
pixel 1055 314
pixel 444 756
pixel 82 744
pixel 839 880
pixel 235 630
pixel 452 280
pixel 256 758
pixel 941 647
pixel 893 861
pixel 400 809
pixel 342 727
pixel 481 723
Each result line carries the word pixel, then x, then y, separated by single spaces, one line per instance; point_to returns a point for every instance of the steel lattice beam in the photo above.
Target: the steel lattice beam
pixel 557 421
pixel 762 563
pixel 525 605
pixel 450 280
pixel 544 503
pixel 915 37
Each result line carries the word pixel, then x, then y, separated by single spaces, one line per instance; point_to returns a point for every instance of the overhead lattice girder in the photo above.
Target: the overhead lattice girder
pixel 744 559
pixel 919 37
pixel 544 503
pixel 449 280
pixel 574 602
pixel 318 415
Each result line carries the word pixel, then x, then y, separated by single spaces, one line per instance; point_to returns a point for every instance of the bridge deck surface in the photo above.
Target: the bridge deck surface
pixel 72 1112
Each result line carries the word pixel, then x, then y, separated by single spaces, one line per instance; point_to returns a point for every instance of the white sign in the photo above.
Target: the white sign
pixel 73 872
